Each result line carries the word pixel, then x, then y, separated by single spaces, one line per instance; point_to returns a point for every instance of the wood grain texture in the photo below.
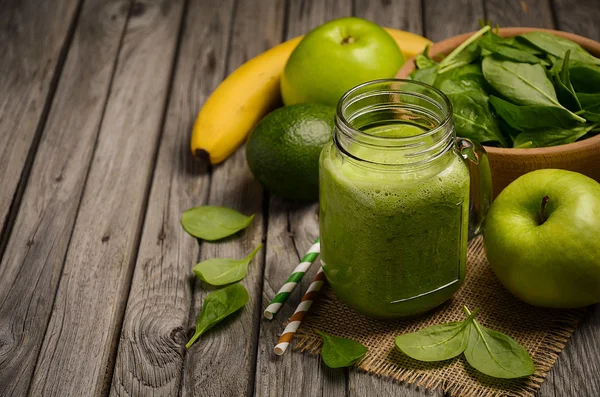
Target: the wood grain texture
pixel 31 266
pixel 292 229
pixel 445 18
pixel 404 15
pixel 78 350
pixel 222 362
pixel 33 36
pixel 576 370
pixel 305 15
pixel 580 17
pixel 529 13
pixel 152 344
pixel 369 385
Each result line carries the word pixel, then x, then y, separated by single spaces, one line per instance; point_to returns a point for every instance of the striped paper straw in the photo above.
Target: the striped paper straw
pixel 298 316
pixel 293 280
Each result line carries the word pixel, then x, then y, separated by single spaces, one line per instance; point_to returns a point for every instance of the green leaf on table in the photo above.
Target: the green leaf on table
pixel 522 83
pixel 530 117
pixel 222 271
pixel 218 305
pixel 340 352
pixel 213 223
pixel 552 136
pixel 558 46
pixel 495 354
pixel 564 88
pixel 438 342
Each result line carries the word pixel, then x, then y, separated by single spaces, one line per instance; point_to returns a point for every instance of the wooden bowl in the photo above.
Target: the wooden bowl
pixel 508 164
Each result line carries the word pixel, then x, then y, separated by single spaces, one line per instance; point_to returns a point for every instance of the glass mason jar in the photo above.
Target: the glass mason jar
pixel 396 190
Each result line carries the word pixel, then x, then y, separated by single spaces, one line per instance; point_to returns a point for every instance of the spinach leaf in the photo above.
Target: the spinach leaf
pixel 558 46
pixel 509 132
pixel 529 117
pixel 585 76
pixel 591 104
pixel 473 118
pixel 213 223
pixel 496 354
pixel 465 57
pixel 465 53
pixel 591 116
pixel 522 83
pixel 438 342
pixel 221 271
pixel 506 51
pixel 423 61
pixel 471 72
pixel 340 352
pixel 523 45
pixel 564 88
pixel 551 136
pixel 427 75
pixel 218 305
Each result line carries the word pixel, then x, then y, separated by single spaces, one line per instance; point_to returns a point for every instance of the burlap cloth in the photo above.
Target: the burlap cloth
pixel 543 332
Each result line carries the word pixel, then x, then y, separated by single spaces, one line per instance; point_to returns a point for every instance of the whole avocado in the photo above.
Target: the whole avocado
pixel 283 150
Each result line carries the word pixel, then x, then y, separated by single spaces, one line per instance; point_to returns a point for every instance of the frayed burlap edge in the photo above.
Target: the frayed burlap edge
pixel 454 377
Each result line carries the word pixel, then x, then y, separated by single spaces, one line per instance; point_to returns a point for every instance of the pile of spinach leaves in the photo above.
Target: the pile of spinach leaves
pixel 531 90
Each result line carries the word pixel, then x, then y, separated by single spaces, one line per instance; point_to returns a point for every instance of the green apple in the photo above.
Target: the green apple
pixel 336 57
pixel 542 238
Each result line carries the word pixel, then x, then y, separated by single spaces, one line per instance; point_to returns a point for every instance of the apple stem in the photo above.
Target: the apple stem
pixel 544 202
pixel 348 40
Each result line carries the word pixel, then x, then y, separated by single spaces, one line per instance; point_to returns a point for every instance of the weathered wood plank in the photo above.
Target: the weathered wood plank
pixel 579 17
pixel 444 19
pixel 405 15
pixel 34 37
pixel 305 15
pixel 31 266
pixel 292 230
pixel 369 385
pixel 80 343
pixel 536 13
pixel 222 362
pixel 151 348
pixel 576 370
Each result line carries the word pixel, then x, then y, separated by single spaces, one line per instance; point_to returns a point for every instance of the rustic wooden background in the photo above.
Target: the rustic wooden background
pixel 97 99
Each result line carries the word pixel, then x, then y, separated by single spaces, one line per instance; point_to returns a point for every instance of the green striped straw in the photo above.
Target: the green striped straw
pixel 293 280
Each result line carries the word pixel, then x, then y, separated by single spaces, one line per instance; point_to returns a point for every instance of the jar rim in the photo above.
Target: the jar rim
pixel 346 127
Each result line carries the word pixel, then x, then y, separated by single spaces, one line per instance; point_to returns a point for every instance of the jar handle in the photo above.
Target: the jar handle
pixel 480 197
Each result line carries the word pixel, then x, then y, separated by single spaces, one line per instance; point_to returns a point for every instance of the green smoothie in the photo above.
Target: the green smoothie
pixel 393 242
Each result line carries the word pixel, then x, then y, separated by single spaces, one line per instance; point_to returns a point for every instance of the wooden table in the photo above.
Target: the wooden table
pixel 97 102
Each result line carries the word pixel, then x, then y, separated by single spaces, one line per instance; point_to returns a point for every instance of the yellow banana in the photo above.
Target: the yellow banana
pixel 411 44
pixel 250 92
